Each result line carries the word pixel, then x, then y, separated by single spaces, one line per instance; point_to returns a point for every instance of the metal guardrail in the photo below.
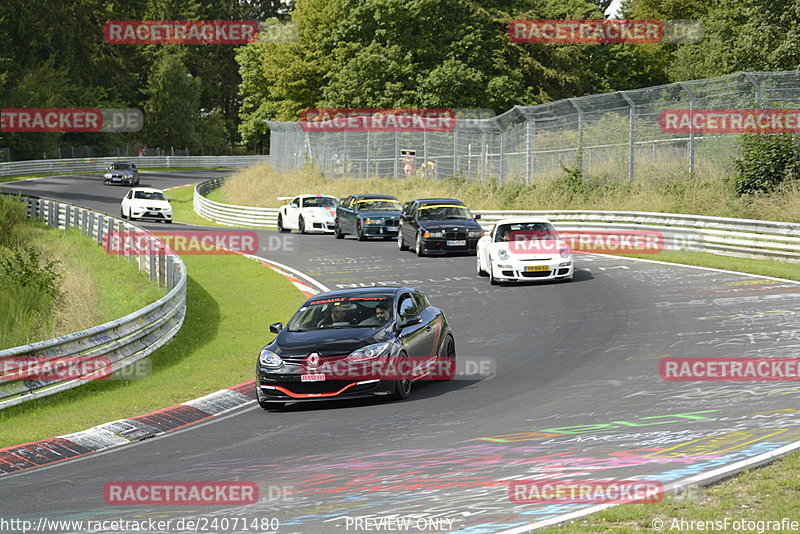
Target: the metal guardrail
pixel 228 214
pixel 114 345
pixel 47 166
pixel 747 238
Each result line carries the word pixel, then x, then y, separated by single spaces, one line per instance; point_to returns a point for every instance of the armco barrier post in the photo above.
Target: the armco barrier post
pixel 101 221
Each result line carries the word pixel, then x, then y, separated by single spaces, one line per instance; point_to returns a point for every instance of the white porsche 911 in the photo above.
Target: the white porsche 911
pixel 308 213
pixel 524 249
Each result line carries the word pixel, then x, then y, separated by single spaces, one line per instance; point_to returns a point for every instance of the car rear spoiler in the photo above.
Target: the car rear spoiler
pixel 285 198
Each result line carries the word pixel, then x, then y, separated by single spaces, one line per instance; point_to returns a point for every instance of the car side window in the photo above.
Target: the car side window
pixel 296 203
pixel 351 203
pixel 407 307
pixel 130 195
pixel 421 302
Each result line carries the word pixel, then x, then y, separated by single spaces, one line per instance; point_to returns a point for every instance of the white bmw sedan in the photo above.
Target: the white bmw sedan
pixel 146 203
pixel 524 249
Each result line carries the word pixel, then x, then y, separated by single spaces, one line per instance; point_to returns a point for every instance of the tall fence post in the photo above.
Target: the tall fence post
pixel 631 136
pixel 484 157
pixel 396 154
pixel 579 156
pixel 529 124
pixel 691 130
pixel 455 150
pixel 369 149
pixel 502 157
pixel 756 85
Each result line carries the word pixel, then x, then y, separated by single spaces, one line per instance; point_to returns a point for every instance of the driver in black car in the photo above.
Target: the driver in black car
pixel 338 315
pixel 381 315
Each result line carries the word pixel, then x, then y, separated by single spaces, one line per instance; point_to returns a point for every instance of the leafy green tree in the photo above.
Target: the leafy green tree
pixel 172 113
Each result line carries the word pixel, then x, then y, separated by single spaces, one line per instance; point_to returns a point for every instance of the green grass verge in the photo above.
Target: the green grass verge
pixel 216 348
pixel 97 287
pixel 766 494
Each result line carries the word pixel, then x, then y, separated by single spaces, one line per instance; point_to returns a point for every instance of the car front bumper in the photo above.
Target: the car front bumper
pixel 324 227
pixel 294 390
pixel 519 271
pixel 119 181
pixel 445 246
pixel 380 230
pixel 155 215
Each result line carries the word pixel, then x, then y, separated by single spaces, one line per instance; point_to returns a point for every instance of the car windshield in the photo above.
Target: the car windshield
pixel 320 202
pixel 527 231
pixel 437 212
pixel 369 204
pixel 368 311
pixel 149 195
pixel 120 167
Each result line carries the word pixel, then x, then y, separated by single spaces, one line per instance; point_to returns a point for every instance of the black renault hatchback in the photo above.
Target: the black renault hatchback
pixel 438 226
pixel 356 343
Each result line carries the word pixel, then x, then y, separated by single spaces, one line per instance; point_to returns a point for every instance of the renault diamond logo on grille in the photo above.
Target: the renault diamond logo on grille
pixel 312 361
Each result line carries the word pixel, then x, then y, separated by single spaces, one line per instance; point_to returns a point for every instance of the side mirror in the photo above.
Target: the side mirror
pixel 477 216
pixel 293 205
pixel 410 321
pixel 275 328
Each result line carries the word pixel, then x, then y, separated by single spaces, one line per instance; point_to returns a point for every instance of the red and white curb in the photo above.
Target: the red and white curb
pixel 124 431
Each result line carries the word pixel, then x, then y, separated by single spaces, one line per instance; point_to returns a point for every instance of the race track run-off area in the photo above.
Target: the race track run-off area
pixel 564 384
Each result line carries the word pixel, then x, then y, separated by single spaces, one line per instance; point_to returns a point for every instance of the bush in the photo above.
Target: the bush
pixel 765 161
pixel 12 212
pixel 23 268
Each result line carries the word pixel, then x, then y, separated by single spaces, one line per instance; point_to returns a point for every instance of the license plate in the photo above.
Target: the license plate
pixel 532 268
pixel 457 243
pixel 312 378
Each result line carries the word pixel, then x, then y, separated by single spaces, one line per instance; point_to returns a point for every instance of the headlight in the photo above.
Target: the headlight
pixel 565 264
pixel 373 221
pixel 564 252
pixel 502 254
pixel 370 352
pixel 476 233
pixel 427 234
pixel 269 359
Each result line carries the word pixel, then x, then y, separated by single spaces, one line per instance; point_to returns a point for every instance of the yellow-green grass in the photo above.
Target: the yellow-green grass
pixel 766 494
pixel 96 287
pixel 709 193
pixel 230 302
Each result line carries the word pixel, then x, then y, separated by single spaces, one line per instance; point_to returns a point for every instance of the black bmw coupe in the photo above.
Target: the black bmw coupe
pixel 356 343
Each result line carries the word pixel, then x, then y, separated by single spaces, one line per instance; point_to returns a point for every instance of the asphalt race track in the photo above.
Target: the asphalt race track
pixel 572 391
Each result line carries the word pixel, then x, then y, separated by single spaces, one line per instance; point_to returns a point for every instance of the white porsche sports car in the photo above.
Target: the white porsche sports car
pixel 146 203
pixel 308 213
pixel 524 249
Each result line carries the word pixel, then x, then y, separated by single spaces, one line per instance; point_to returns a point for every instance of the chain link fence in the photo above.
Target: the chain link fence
pixel 615 134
